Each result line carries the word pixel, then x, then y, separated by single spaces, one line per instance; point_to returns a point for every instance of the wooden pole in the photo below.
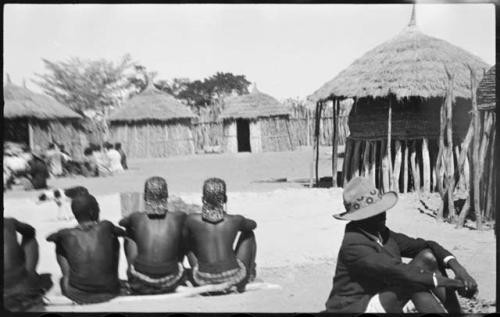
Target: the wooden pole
pixel 389 155
pixel 413 161
pixel 319 105
pixel 475 151
pixel 482 158
pixel 491 178
pixel 30 135
pixel 405 167
pixel 397 166
pixel 449 138
pixel 335 142
pixel 385 166
pixel 347 162
pixel 356 158
pixel 366 160
pixel 373 163
pixel 426 165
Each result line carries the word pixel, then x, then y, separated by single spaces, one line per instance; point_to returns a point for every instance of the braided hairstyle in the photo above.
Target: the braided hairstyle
pixel 214 198
pixel 156 195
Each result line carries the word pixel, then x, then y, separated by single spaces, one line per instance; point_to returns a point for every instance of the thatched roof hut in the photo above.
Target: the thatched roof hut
pixel 486 92
pixel 256 122
pixel 38 120
pixel 153 124
pixel 399 86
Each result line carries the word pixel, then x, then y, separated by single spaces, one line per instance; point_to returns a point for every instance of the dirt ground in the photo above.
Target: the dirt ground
pixel 297 238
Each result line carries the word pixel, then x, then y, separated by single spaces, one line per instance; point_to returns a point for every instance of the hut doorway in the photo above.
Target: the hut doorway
pixel 243 135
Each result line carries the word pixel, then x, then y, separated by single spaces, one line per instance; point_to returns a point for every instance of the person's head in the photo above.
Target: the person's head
pixel 52 146
pixel 85 208
pixel 214 198
pixel 118 146
pixel 88 151
pixel 364 204
pixel 156 196
pixel 108 146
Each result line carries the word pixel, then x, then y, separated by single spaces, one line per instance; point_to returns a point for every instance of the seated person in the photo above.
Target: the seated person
pixel 38 172
pixel 88 255
pixel 114 158
pixel 153 244
pixel 89 166
pixel 370 276
pixel 210 237
pixel 23 288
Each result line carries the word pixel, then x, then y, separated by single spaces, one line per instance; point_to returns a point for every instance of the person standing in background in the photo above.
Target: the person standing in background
pixel 118 147
pixel 114 157
pixel 55 160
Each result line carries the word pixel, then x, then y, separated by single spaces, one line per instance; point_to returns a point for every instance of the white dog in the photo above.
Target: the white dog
pixel 62 198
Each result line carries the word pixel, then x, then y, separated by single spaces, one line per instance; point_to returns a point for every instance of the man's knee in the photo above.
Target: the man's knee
pixel 428 259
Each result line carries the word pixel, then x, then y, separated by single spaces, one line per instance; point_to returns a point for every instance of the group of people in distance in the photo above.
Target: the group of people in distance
pixel 97 162
pixel 156 241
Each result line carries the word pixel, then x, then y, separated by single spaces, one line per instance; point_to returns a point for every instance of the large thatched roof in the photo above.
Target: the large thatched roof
pixel 410 64
pixel 253 105
pixel 486 92
pixel 152 104
pixel 20 102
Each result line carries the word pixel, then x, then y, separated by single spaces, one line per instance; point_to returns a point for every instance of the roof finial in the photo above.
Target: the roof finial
pixel 254 87
pixel 413 18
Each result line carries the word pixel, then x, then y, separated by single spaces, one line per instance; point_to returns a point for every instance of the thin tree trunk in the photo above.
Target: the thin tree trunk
pixel 335 142
pixel 389 136
pixel 491 178
pixel 439 161
pixel 449 139
pixel 475 151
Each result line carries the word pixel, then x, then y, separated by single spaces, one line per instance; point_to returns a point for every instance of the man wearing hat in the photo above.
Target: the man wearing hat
pixel 88 254
pixel 370 276
pixel 154 245
pixel 211 236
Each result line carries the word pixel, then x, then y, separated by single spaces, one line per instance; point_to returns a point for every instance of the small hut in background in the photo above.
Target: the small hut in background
pixel 38 120
pixel 399 88
pixel 153 124
pixel 256 122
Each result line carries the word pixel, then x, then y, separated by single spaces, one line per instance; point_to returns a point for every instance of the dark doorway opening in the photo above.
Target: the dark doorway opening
pixel 243 135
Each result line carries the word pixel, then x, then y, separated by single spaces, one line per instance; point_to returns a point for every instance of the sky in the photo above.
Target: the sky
pixel 289 51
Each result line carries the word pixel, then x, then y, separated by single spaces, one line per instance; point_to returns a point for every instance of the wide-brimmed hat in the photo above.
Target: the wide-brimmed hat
pixel 156 195
pixel 363 200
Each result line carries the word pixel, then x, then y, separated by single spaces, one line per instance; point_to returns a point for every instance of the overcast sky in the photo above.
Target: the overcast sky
pixel 288 50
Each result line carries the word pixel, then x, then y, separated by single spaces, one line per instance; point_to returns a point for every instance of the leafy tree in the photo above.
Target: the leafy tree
pixel 87 84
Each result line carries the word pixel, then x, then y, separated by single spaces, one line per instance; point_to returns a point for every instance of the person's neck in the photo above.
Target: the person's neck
pixel 87 222
pixel 375 230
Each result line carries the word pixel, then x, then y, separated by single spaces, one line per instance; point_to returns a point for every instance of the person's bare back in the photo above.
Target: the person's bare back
pixel 212 243
pixel 158 241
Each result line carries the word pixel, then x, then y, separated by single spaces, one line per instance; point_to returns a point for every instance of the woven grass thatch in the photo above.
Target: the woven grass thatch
pixel 152 104
pixel 486 92
pixel 252 106
pixel 20 102
pixel 410 64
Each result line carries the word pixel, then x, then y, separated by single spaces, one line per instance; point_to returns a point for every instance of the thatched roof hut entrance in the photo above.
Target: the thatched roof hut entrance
pixel 256 122
pixel 38 120
pixel 399 87
pixel 153 124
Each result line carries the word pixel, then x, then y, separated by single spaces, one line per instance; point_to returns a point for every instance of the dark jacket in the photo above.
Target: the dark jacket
pixel 364 268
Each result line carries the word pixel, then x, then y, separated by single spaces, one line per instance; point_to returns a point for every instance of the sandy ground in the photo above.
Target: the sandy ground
pixel 297 238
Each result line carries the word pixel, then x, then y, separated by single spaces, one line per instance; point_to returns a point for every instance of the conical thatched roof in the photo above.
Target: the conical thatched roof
pixel 152 104
pixel 410 64
pixel 20 102
pixel 486 92
pixel 253 105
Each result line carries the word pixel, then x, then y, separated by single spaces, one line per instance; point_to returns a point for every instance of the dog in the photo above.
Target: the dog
pixel 62 198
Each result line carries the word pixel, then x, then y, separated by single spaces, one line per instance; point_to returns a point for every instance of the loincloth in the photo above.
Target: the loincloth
pixel 233 277
pixel 144 284
pixel 84 297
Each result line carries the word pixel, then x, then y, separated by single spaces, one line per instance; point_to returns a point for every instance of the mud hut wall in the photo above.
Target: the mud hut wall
pixel 230 137
pixel 275 134
pixel 154 139
pixel 255 136
pixel 16 130
pixel 411 119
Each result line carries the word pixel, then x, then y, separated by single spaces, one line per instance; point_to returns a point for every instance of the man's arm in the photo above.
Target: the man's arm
pixel 247 224
pixel 366 261
pixel 28 244
pixel 410 247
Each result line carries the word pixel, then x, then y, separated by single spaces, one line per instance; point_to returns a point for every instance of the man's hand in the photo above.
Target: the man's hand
pixel 470 285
